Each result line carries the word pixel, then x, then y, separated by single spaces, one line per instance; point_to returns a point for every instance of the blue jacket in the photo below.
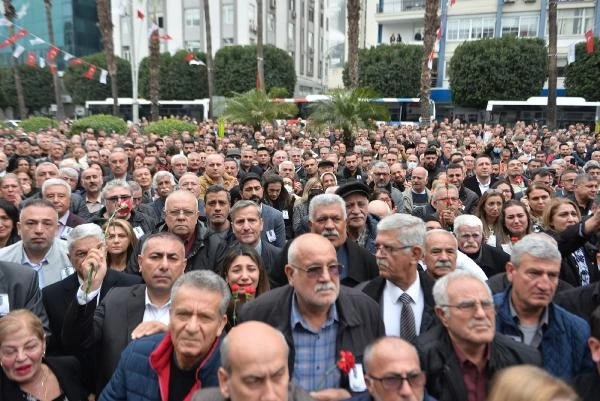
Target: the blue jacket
pixel 143 371
pixel 564 348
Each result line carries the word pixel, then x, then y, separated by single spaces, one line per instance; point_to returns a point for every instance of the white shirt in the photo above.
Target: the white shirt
pixel 483 187
pixel 392 307
pixel 154 312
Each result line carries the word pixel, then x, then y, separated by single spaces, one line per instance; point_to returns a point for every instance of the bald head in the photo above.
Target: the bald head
pixel 379 208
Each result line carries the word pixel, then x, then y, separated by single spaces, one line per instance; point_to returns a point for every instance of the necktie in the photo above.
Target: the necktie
pixel 407 319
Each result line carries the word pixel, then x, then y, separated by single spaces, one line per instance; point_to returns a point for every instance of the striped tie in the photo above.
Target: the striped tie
pixel 407 319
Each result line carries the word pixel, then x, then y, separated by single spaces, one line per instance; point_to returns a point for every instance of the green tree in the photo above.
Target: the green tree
pixel 391 70
pixel 167 126
pixel 506 68
pixel 37 87
pixel 348 110
pixel 106 30
pixel 82 89
pixel 235 69
pixel 34 124
pixel 99 122
pixel 178 79
pixel 256 107
pixel 583 75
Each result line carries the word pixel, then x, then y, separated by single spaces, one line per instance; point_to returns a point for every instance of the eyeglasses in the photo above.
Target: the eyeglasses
pixel 177 213
pixel 395 382
pixel 118 198
pixel 388 249
pixel 472 306
pixel 316 272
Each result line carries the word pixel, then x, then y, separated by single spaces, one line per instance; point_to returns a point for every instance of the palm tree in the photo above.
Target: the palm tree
pixel 154 67
pixel 348 110
pixel 209 58
pixel 552 70
pixel 10 14
pixel 60 110
pixel 106 29
pixel 260 65
pixel 431 25
pixel 353 22
pixel 256 107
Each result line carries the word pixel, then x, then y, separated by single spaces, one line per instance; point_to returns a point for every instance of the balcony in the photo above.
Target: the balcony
pixel 399 6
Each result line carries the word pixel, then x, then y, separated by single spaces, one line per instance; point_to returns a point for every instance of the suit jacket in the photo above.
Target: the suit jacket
pixel 21 285
pixel 374 289
pixel 58 296
pixel 492 260
pixel 108 326
pixel 56 256
pixel 273 223
pixel 472 184
pixel 74 220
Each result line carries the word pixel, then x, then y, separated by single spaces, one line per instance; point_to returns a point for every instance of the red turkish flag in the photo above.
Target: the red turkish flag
pixel 140 14
pixel 166 37
pixel 51 54
pixel 76 61
pixel 589 42
pixel 91 71
pixel 31 59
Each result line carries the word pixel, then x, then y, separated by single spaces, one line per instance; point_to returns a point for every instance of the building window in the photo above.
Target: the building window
pixel 228 14
pixel 311 14
pixel 227 41
pixel 193 45
pixel 126 53
pixel 460 29
pixel 271 22
pixel 522 27
pixel 574 21
pixel 192 17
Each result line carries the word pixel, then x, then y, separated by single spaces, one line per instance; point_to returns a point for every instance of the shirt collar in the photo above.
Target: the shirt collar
pixel 414 290
pixel 544 319
pixel 297 318
pixel 148 302
pixel 63 219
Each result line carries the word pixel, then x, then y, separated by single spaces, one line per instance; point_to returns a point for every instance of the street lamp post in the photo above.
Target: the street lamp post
pixel 135 106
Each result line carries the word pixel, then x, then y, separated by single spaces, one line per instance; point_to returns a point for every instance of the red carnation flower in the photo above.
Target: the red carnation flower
pixel 346 362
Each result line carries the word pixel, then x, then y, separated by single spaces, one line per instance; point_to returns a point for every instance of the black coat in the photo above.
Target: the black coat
pixel 581 301
pixel 444 373
pixel 472 184
pixel 374 289
pixel 492 260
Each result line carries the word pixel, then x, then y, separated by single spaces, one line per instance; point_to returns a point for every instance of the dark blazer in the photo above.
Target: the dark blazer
pixel 581 301
pixel 67 371
pixel 374 289
pixel 359 319
pixel 471 183
pixel 21 285
pixel 58 296
pixel 273 221
pixel 492 260
pixel 74 220
pixel 108 326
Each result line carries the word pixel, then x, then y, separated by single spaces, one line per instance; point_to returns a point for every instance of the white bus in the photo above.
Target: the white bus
pixel 196 109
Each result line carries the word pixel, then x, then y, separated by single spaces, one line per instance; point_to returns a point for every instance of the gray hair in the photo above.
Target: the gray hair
pixel 325 200
pixel 134 186
pixel 70 171
pixel 43 164
pixel 467 220
pixel 410 230
pixel 439 188
pixel 440 288
pixel 225 349
pixel 174 158
pixel 380 164
pixel 243 204
pixel 590 165
pixel 440 231
pixel 56 182
pixel 286 163
pixel 538 245
pixel 112 184
pixel 204 280
pixel 161 174
pixel 84 231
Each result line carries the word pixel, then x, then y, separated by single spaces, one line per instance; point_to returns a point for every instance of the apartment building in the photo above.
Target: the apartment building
pixel 300 27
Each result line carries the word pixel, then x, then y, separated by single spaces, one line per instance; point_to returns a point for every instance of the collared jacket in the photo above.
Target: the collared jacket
pixel 144 369
pixel 137 219
pixel 444 374
pixel 205 182
pixel 295 393
pixel 360 320
pixel 564 348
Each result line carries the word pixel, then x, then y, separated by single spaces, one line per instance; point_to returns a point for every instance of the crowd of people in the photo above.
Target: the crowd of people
pixel 456 262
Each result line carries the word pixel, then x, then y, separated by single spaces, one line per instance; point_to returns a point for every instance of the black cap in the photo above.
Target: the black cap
pixel 326 163
pixel 233 153
pixel 431 151
pixel 249 177
pixel 353 187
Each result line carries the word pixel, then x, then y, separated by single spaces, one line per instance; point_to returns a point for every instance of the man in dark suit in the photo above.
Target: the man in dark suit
pixel 273 230
pixel 19 289
pixel 403 292
pixel 58 296
pixel 483 178
pixel 468 230
pixel 247 225
pixel 58 192
pixel 126 313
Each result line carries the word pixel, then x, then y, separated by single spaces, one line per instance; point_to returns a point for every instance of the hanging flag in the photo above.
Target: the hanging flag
pixel 103 75
pixel 76 61
pixel 152 29
pixel 13 38
pixel 52 69
pixel 68 57
pixel 140 14
pixel 451 2
pixel 52 53
pixel 18 51
pixel 439 33
pixel 189 57
pixel 166 37
pixel 571 53
pixel 91 71
pixel 36 41
pixel 589 42
pixel 196 62
pixel 30 59
pixel 42 62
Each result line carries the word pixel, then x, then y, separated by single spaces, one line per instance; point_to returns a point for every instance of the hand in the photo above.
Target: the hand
pixel 330 394
pixel 96 260
pixel 148 328
pixel 297 187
